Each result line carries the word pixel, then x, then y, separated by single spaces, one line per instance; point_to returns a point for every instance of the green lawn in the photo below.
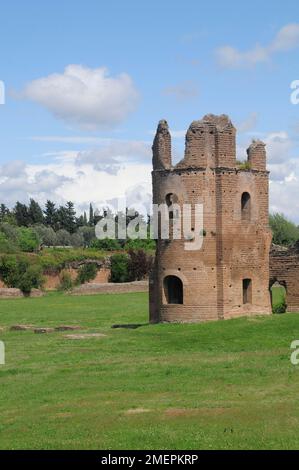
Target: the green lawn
pixel 226 384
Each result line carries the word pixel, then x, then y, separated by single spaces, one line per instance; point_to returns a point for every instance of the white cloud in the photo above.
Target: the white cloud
pixel 286 39
pixel 182 91
pixel 284 198
pixel 283 164
pixel 72 139
pixel 93 175
pixel 88 98
pixel 279 145
pixel 111 156
pixel 123 168
pixel 18 182
pixel 248 124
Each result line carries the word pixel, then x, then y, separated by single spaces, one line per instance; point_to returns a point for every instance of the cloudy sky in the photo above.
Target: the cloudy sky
pixel 86 83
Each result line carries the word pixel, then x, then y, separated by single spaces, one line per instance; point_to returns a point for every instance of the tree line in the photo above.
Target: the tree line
pixel 29 226
pixel 61 217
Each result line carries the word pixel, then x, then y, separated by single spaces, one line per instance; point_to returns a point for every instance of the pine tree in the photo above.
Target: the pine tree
pixel 35 213
pixel 51 214
pixel 61 218
pixel 21 214
pixel 91 216
pixel 70 222
pixel 4 211
pixel 85 219
pixel 80 221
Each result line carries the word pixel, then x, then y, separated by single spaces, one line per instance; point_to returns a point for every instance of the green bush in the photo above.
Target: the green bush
pixel 284 231
pixel 119 268
pixel 46 235
pixel 6 246
pixel 28 239
pixel 245 165
pixel 106 244
pixel 10 231
pixel 139 265
pixel 18 272
pixel 66 282
pixel 10 271
pixel 141 244
pixel 280 307
pixel 63 238
pixel 86 273
pixel 32 278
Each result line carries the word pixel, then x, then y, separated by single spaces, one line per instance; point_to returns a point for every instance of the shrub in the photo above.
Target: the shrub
pixel 280 307
pixel 10 231
pixel 32 278
pixel 119 268
pixel 139 265
pixel 28 239
pixel 88 234
pixel 46 234
pixel 66 282
pixel 63 238
pixel 10 271
pixel 6 246
pixel 284 231
pixel 86 273
pixel 19 273
pixel 77 239
pixel 245 165
pixel 141 244
pixel 106 244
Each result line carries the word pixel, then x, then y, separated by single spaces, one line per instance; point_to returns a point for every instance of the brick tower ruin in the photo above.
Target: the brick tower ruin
pixel 229 275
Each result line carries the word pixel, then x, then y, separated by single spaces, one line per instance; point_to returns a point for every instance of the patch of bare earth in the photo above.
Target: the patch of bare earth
pixel 135 411
pixel 85 336
pixel 173 412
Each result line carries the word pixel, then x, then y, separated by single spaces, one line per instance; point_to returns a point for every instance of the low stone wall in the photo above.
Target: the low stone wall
pixel 11 292
pixel 111 288
pixel 284 269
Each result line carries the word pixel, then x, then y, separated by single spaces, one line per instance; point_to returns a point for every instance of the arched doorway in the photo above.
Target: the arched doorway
pixel 278 295
pixel 173 290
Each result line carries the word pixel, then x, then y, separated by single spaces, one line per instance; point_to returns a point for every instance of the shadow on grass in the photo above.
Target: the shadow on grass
pixel 131 326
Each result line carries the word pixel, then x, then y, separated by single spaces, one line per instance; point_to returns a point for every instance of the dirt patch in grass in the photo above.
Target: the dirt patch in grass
pixel 135 411
pixel 85 336
pixel 174 412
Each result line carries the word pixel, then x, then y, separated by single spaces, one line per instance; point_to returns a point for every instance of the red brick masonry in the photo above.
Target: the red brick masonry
pixel 229 276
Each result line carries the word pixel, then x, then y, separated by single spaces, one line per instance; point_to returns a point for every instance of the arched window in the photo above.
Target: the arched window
pixel 247 291
pixel 173 289
pixel 246 207
pixel 171 199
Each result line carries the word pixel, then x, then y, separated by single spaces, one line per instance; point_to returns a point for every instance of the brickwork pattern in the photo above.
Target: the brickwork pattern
pixel 284 269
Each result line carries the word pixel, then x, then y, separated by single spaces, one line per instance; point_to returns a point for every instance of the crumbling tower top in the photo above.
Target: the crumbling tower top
pixel 162 147
pixel 210 142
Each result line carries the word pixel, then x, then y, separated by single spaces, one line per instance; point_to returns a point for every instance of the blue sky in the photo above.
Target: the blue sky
pixel 140 62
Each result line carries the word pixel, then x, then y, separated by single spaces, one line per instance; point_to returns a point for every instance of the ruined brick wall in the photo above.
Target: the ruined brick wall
pixel 284 269
pixel 233 249
pixel 52 281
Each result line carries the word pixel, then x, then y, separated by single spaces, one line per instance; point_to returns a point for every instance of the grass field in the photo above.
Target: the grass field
pixel 227 385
